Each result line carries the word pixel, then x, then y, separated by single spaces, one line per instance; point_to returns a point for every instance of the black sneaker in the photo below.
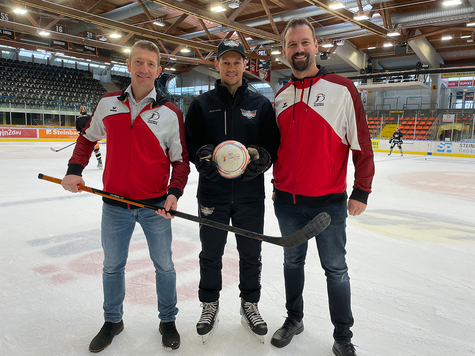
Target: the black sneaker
pixel 105 336
pixel 344 349
pixel 283 336
pixel 170 336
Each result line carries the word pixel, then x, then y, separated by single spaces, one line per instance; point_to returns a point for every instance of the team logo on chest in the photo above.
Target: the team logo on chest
pixel 248 113
pixel 154 118
pixel 319 101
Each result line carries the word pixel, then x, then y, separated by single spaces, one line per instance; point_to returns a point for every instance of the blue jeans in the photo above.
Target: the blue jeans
pixel 116 231
pixel 331 250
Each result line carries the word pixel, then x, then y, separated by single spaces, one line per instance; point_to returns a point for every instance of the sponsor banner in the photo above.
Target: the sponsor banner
pixel 453 83
pixel 375 144
pixel 57 133
pixel 460 74
pixel 18 133
pixel 58 44
pixel 448 118
pixel 466 83
pixel 90 49
pixel 8 34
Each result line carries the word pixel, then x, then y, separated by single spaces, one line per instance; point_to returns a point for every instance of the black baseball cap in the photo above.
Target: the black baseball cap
pixel 230 45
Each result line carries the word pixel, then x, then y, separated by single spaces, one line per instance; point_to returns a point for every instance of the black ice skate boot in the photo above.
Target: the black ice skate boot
pixel 252 319
pixel 208 320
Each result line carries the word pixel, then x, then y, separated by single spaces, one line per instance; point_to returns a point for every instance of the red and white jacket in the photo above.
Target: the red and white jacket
pixel 320 119
pixel 139 152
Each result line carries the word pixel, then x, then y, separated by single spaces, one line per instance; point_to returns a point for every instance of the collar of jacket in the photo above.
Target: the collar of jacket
pixel 224 92
pixel 307 80
pixel 159 99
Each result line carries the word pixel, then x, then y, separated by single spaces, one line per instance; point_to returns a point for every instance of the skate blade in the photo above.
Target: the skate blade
pixel 206 337
pixel 260 338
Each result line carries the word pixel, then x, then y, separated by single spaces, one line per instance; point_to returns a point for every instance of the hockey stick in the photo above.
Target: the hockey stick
pixel 52 149
pixel 313 228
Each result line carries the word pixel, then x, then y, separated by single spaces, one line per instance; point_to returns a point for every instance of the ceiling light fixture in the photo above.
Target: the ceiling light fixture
pixel 446 38
pixel 393 33
pixel 19 11
pixel 451 2
pixel 126 50
pixel 388 45
pixel 234 4
pixel 275 52
pixel 43 33
pixel 336 5
pixel 327 45
pixel 465 36
pixel 185 50
pixel 115 35
pixel 158 22
pixel 371 47
pixel 360 16
pixel 471 24
pixel 218 8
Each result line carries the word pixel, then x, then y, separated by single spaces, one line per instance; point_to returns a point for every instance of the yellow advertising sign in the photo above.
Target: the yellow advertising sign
pixel 460 74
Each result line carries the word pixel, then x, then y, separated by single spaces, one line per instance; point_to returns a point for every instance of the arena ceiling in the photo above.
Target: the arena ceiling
pixel 347 45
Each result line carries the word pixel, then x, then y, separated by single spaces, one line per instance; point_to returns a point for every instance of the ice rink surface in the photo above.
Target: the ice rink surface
pixel 411 260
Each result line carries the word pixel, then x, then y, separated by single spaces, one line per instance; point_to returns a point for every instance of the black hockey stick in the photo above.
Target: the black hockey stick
pixel 313 228
pixel 52 149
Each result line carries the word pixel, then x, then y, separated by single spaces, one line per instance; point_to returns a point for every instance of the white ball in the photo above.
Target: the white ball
pixel 231 158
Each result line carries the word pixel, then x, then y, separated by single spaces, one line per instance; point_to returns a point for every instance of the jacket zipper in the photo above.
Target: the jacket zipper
pixel 297 140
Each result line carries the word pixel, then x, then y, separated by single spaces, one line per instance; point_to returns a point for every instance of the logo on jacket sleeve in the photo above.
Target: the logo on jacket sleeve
pixel 248 113
pixel 206 211
pixel 319 100
pixel 154 118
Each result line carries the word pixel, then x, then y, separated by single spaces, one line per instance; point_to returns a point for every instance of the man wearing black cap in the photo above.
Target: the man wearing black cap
pixel 231 111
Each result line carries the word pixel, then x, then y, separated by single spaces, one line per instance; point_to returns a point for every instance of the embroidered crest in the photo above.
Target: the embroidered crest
pixel 154 118
pixel 231 43
pixel 206 211
pixel 319 100
pixel 248 113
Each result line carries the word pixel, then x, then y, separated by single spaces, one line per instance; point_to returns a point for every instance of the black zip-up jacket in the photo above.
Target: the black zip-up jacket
pixel 217 116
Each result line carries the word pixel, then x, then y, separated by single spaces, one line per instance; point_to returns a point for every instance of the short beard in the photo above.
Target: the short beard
pixel 301 66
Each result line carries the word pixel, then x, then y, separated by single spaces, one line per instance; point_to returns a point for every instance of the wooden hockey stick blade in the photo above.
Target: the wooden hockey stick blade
pixel 313 228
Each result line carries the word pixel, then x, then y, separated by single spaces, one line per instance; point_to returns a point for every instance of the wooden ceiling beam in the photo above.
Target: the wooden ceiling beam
pixel 269 16
pixel 348 16
pixel 99 20
pixel 238 10
pixel 219 19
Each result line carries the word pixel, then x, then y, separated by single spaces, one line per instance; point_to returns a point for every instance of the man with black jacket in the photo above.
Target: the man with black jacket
pixel 231 111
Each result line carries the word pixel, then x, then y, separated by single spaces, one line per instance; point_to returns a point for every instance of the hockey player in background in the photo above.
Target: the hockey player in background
pixel 81 123
pixel 396 139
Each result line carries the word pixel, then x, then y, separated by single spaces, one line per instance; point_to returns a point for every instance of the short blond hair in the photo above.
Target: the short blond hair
pixel 145 44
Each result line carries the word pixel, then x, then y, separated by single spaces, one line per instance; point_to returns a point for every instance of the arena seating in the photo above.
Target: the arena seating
pixel 41 85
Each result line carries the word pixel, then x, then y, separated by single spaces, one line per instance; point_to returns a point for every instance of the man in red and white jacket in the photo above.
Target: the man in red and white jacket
pixel 145 136
pixel 320 117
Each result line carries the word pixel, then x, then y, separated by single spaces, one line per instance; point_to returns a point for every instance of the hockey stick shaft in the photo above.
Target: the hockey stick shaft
pixel 63 147
pixel 313 228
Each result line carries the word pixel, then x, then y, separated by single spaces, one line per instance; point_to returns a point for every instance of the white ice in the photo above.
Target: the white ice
pixel 411 260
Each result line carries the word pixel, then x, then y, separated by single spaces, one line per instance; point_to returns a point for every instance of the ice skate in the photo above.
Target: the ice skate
pixel 99 165
pixel 252 320
pixel 208 320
